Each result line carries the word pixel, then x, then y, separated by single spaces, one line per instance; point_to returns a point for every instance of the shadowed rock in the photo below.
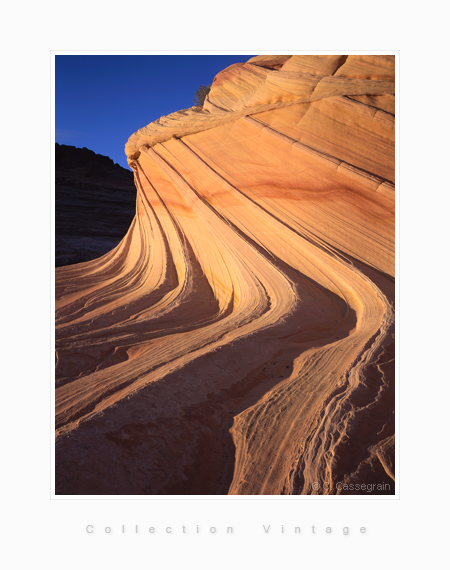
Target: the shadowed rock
pixel 95 202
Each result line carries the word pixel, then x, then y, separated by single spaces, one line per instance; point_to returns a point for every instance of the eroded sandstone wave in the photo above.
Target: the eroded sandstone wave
pixel 239 340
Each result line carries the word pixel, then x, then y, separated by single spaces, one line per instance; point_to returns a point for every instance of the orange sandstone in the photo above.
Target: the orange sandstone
pixel 239 340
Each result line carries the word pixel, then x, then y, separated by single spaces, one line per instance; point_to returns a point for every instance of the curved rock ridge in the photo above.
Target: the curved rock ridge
pixel 240 339
pixel 267 82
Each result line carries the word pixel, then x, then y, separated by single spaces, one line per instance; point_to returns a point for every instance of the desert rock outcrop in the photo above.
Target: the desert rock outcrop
pixel 95 203
pixel 240 338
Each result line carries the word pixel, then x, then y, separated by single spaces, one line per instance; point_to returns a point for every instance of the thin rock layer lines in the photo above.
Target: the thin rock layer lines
pixel 240 338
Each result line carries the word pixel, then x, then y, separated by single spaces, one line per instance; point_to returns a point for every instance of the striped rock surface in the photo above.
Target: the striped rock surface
pixel 240 339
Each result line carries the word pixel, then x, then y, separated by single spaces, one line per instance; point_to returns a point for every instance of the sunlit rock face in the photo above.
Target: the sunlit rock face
pixel 240 338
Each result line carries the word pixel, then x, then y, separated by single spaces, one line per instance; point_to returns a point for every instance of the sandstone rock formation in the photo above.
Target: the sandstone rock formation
pixel 240 338
pixel 95 202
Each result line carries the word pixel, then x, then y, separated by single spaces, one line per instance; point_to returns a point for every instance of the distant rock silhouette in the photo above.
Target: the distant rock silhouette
pixel 95 202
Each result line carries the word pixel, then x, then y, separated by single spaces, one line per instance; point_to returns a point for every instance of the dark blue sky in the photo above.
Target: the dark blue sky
pixel 100 100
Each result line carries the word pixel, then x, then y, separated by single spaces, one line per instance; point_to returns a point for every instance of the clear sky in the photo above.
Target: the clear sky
pixel 100 100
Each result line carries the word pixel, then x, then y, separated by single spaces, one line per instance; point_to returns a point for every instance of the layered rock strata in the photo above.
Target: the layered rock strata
pixel 240 338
